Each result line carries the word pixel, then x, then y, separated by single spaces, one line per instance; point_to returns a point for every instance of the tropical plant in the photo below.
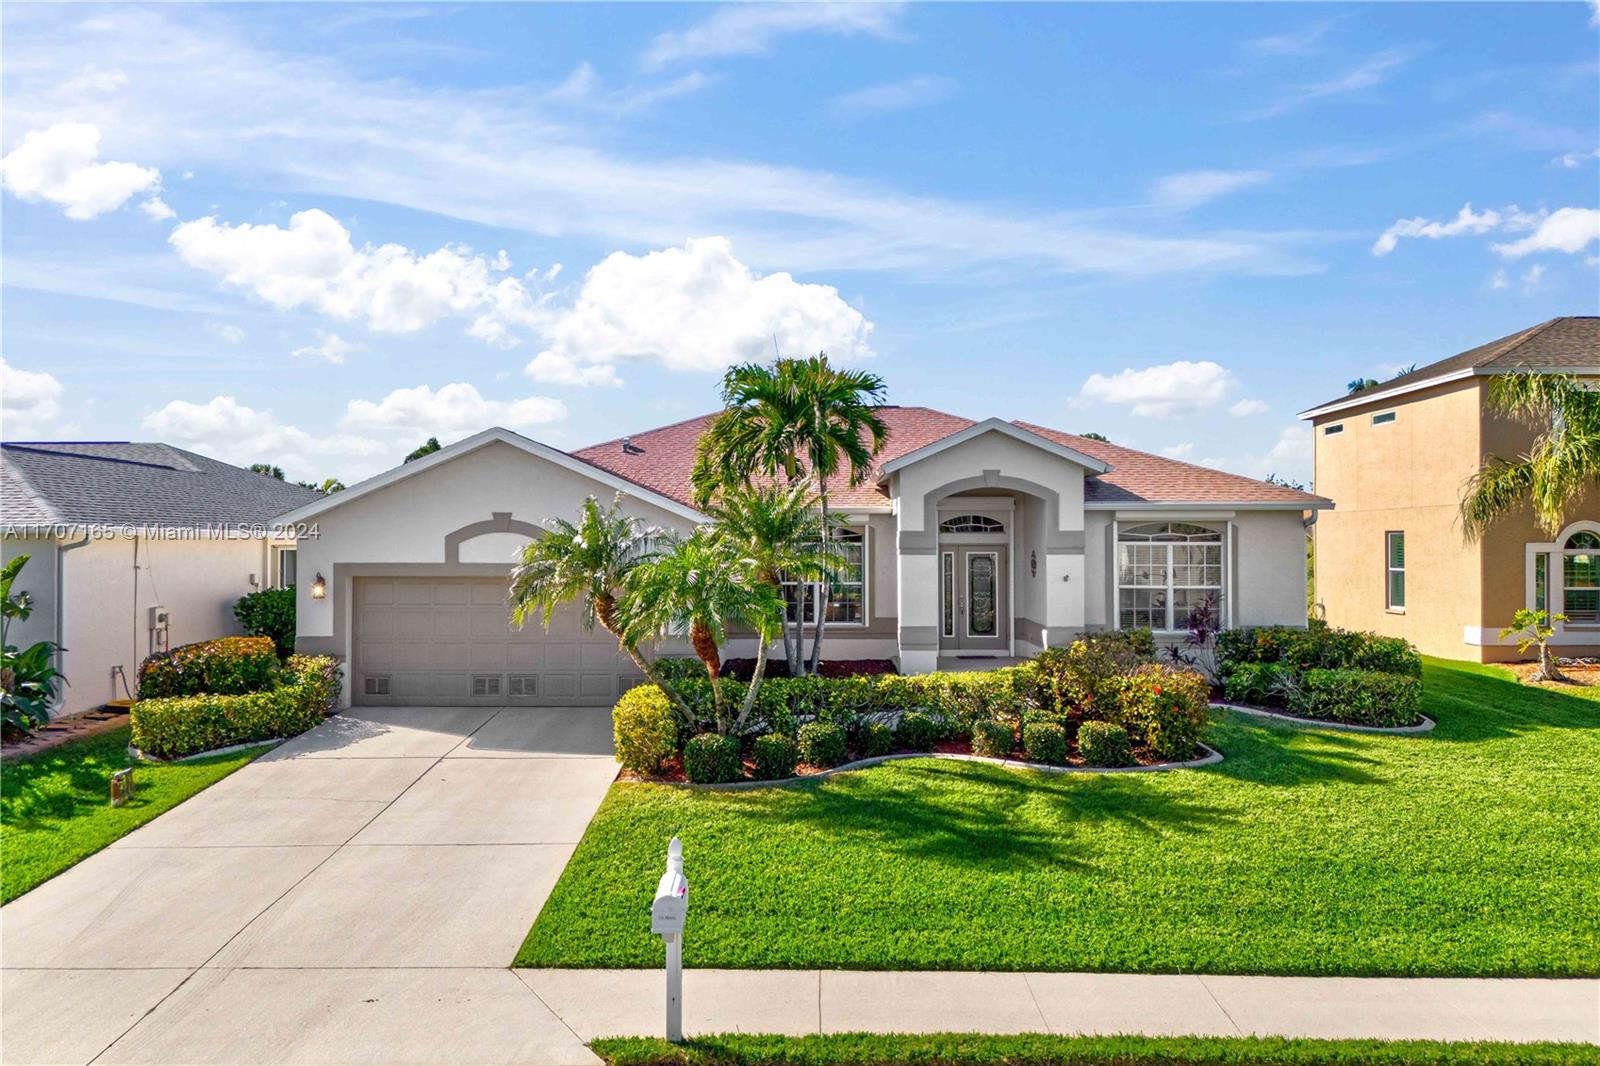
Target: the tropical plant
pixel 587 563
pixel 1101 437
pixel 29 679
pixel 269 613
pixel 1362 384
pixel 427 447
pixel 1556 471
pixel 697 587
pixel 1203 626
pixel 1535 627
pixel 798 419
pixel 267 470
pixel 328 487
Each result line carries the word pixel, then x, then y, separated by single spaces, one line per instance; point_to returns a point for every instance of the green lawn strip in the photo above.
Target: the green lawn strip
pixel 1468 851
pixel 55 805
pixel 955 1049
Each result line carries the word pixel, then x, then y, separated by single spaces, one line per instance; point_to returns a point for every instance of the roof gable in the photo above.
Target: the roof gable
pixel 1013 430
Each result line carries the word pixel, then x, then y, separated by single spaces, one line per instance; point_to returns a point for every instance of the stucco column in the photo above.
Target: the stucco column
pixel 918 594
pixel 1064 594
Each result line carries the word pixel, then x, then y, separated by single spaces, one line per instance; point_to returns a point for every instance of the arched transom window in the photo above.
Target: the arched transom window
pixel 972 523
pixel 1580 578
pixel 1164 571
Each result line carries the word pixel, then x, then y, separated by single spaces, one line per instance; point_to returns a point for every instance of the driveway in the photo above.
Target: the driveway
pixel 356 895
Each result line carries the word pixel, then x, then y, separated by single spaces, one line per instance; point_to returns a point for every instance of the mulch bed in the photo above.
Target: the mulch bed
pixel 1579 675
pixel 58 731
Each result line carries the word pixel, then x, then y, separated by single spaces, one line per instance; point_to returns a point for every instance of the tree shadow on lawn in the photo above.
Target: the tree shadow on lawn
pixel 983 817
pixel 1265 752
pixel 1472 702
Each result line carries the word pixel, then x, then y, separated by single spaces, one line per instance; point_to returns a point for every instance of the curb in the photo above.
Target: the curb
pixel 1211 758
pixel 1424 726
pixel 142 756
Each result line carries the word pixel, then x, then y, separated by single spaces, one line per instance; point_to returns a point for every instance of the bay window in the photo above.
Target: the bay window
pixel 1165 570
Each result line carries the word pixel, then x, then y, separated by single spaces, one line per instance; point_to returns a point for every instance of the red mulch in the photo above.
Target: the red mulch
pixel 1579 676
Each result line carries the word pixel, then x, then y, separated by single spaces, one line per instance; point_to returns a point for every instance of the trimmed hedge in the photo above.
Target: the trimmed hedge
pixel 993 739
pixel 1104 744
pixel 776 756
pixel 225 666
pixel 645 728
pixel 1359 697
pixel 876 739
pixel 822 744
pixel 710 759
pixel 268 613
pixel 1317 646
pixel 917 731
pixel 170 727
pixel 1045 742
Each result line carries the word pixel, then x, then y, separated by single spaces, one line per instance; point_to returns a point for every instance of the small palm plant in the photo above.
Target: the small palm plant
pixel 1534 627
pixel 697 587
pixel 29 680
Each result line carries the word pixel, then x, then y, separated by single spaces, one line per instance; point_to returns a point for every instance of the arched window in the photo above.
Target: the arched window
pixel 1164 571
pixel 1580 578
pixel 972 523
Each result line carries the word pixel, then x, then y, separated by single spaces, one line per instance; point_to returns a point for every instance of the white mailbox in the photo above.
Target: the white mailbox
pixel 667 913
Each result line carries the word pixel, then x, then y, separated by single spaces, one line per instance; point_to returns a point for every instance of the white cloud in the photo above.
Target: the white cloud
pixel 156 209
pixel 1366 75
pixel 921 91
pixel 1179 451
pixel 553 369
pixel 236 433
pixel 30 400
pixel 225 330
pixel 94 80
pixel 59 165
pixel 1573 160
pixel 1295 43
pixel 1289 456
pixel 1498 281
pixel 330 347
pixel 1244 408
pixel 749 29
pixel 454 410
pixel 1466 221
pixel 1195 187
pixel 1568 230
pixel 1532 277
pixel 1179 388
pixel 694 308
pixel 312 263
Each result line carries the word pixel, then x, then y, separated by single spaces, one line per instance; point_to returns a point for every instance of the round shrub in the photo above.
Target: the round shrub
pixel 228 666
pixel 1164 710
pixel 1104 744
pixel 1045 742
pixel 268 613
pixel 876 739
pixel 991 738
pixel 711 758
pixel 645 728
pixel 776 756
pixel 822 743
pixel 1259 684
pixel 917 731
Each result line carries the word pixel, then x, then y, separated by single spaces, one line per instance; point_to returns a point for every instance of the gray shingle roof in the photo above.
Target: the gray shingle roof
pixel 142 484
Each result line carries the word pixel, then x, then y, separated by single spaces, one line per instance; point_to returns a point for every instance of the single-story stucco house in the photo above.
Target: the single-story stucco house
pixel 134 547
pixel 970 539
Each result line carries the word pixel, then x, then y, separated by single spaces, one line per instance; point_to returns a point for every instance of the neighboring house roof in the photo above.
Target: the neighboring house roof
pixel 1570 344
pixel 662 459
pixel 139 484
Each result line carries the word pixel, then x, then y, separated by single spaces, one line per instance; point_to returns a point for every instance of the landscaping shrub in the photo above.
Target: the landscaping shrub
pixel 876 739
pixel 1163 709
pixel 917 731
pixel 1045 742
pixel 1360 697
pixel 1259 684
pixel 1104 744
pixel 1139 642
pixel 776 756
pixel 711 758
pixel 645 728
pixel 1388 655
pixel 993 739
pixel 822 743
pixel 225 666
pixel 269 613
pixel 173 726
pixel 681 668
pixel 1317 646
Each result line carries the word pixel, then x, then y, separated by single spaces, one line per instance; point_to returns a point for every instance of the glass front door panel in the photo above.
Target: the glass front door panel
pixel 981 608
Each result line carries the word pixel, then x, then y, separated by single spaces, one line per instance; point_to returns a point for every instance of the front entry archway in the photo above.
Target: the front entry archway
pixel 975 593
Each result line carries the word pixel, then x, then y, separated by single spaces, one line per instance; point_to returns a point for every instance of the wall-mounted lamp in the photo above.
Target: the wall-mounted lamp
pixel 319 587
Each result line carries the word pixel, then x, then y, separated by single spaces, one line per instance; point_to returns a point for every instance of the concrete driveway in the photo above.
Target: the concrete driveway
pixel 354 896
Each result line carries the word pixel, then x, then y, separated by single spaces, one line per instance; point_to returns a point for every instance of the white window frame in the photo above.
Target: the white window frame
pixel 1555 591
pixel 1224 542
pixel 809 604
pixel 1560 556
pixel 278 554
pixel 1389 570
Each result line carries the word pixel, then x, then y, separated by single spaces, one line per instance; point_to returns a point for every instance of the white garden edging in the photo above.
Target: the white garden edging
pixel 143 756
pixel 1421 727
pixel 1211 757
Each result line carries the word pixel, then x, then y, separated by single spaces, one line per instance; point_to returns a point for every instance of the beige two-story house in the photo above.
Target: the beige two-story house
pixel 1394 457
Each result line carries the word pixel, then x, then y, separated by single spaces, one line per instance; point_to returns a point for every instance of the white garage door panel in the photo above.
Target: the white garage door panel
pixel 426 641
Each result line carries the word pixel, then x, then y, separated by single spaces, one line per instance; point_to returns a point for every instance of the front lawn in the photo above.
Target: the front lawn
pixel 55 807
pixel 1471 850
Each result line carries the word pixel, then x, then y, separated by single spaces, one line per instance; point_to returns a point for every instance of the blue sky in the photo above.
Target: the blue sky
pixel 315 235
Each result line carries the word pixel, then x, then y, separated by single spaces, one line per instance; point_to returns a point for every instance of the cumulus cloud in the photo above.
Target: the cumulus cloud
pixel 1244 408
pixel 60 165
pixel 1195 187
pixel 1179 451
pixel 330 347
pixel 156 209
pixel 237 433
pixel 1466 221
pixel 1568 230
pixel 1573 160
pixel 693 308
pixel 453 410
pixel 1180 388
pixel 314 264
pixel 749 29
pixel 30 400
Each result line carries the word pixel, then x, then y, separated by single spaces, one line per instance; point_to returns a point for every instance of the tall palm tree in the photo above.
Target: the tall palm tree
pixel 587 563
pixel 697 587
pixel 1561 465
pixel 799 419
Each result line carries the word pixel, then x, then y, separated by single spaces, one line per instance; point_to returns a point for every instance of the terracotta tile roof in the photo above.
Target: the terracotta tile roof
pixel 661 460
pixel 1567 343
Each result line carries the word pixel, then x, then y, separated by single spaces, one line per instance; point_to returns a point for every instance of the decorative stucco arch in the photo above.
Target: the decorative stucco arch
pixel 498 522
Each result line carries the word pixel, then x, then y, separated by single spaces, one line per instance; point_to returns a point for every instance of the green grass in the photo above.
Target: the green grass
pixel 55 806
pixel 958 1049
pixel 1471 850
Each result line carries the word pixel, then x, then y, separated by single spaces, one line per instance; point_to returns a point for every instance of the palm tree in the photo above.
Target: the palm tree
pixel 588 562
pixel 698 587
pixel 1561 465
pixel 780 531
pixel 797 419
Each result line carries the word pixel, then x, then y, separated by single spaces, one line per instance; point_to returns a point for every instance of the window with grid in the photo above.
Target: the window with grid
pixel 1395 565
pixel 1580 579
pixel 847 597
pixel 1164 571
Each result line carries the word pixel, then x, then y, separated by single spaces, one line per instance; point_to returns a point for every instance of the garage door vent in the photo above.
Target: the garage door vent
pixel 486 684
pixel 524 684
pixel 376 685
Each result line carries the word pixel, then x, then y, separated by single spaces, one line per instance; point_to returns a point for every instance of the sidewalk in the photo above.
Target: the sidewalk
pixel 596 1003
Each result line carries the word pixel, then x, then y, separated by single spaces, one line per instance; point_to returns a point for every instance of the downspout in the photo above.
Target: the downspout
pixel 61 599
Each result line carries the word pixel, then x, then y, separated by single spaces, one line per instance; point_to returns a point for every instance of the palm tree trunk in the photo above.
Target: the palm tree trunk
pixel 1548 670
pixel 705 646
pixel 755 683
pixel 605 610
pixel 823 587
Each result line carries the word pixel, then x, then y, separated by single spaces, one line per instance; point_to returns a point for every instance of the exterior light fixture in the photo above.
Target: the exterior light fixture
pixel 319 587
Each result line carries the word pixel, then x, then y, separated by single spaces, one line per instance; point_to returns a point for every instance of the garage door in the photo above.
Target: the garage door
pixel 449 642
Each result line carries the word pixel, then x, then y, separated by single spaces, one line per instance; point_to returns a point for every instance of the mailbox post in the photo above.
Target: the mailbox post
pixel 666 920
